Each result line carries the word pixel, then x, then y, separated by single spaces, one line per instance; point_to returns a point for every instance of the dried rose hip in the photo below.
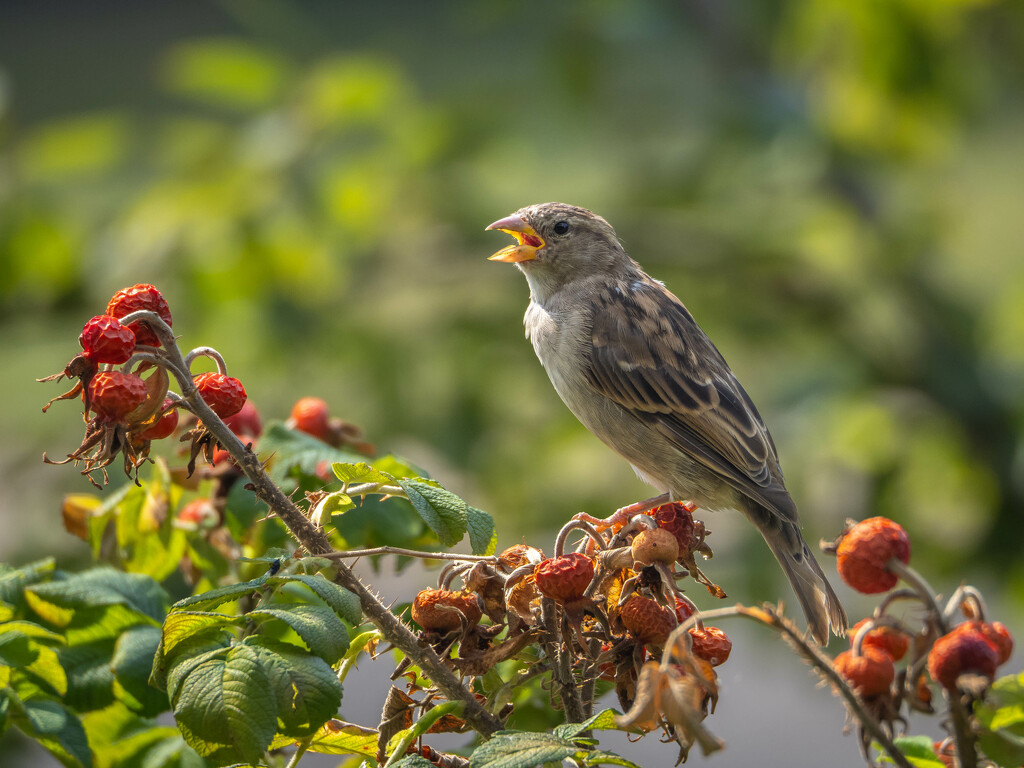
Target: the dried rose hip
pixel 437 610
pixel 647 620
pixel 865 551
pixel 565 579
pixel 105 340
pixel 655 545
pixel 886 640
pixel 869 674
pixel 225 395
pixel 676 518
pixel 959 652
pixel 711 644
pixel 134 299
pixel 113 395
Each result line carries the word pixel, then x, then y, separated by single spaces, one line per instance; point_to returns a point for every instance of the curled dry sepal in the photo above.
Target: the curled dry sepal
pixel 126 409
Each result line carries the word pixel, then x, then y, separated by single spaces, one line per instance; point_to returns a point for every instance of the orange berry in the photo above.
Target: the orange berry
pixel 310 415
pixel 962 651
pixel 647 620
pixel 711 644
pixel 865 551
pixel 676 518
pixel 886 640
pixel 870 674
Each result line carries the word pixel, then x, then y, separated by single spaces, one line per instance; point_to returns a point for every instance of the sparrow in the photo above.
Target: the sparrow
pixel 629 360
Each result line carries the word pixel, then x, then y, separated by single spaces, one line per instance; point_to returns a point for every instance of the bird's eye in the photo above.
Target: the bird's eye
pixel 561 227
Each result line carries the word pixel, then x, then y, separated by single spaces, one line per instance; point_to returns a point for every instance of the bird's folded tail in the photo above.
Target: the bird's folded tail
pixel 820 604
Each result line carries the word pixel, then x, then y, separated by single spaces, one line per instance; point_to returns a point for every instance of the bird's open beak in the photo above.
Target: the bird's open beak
pixel 528 241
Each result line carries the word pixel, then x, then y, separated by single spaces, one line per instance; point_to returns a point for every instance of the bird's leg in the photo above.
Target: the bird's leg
pixel 622 516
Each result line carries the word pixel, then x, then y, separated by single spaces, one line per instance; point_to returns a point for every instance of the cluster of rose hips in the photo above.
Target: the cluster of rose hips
pixel 962 657
pixel 609 607
pixel 124 412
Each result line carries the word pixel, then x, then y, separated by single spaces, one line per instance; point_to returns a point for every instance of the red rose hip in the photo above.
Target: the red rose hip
pixel 113 395
pixel 225 395
pixel 105 340
pixel 134 299
pixel 865 551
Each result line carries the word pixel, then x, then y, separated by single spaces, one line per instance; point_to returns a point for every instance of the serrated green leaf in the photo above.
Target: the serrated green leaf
pixel 59 731
pixel 483 536
pixel 440 509
pixel 120 738
pixel 602 721
pixel 521 749
pixel 224 706
pixel 361 472
pixel 396 467
pixel 307 690
pixel 336 737
pixel 221 595
pixel 57 600
pixel 131 664
pixel 318 626
pixel 917 749
pixel 188 633
pixel 339 599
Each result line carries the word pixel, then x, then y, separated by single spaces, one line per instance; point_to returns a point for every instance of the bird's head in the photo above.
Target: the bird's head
pixel 557 244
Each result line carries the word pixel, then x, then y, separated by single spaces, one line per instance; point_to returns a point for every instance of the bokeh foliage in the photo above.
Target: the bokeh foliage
pixel 833 187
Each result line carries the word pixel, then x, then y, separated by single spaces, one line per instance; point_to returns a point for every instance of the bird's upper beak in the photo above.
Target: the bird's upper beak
pixel 528 241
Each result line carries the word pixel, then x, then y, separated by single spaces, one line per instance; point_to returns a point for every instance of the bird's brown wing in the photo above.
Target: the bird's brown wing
pixel 650 356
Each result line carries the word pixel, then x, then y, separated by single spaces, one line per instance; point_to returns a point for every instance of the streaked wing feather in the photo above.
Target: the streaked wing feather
pixel 651 357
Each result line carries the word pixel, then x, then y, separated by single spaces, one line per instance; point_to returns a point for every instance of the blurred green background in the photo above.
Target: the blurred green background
pixel 834 187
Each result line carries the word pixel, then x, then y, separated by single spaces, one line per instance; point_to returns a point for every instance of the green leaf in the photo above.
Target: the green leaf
pixel 173 752
pixel 90 678
pixel 131 664
pixel 521 749
pixel 58 730
pixel 1001 715
pixel 292 449
pixel 17 649
pixel 190 633
pixel 224 705
pixel 401 740
pixel 601 757
pixel 48 673
pixel 221 595
pixel 413 761
pixel 307 690
pixel 13 581
pixel 120 738
pixel 361 472
pixel 318 626
pixel 339 599
pixel 336 737
pixel 483 536
pixel 242 509
pixel 442 510
pixel 602 721
pixel 57 600
pixel 917 749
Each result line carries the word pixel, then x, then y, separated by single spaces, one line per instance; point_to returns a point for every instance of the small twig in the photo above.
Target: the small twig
pixel 210 352
pixel 385 550
pixel 577 525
